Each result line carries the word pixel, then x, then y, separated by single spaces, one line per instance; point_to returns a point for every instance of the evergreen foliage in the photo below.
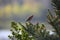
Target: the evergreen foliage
pixel 55 20
pixel 28 32
pixel 56 4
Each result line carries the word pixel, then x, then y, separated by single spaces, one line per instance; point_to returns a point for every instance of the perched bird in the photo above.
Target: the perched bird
pixel 29 18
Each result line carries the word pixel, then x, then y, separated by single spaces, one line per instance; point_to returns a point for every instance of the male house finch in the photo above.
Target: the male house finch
pixel 29 18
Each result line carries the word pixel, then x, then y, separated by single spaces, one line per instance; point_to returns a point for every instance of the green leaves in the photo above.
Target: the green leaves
pixel 19 32
pixel 57 13
pixel 54 21
pixel 28 32
pixel 56 3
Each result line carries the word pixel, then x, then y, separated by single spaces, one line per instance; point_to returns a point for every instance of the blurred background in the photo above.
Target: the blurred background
pixel 19 10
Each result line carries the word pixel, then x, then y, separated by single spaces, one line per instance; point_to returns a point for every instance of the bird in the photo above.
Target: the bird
pixel 29 18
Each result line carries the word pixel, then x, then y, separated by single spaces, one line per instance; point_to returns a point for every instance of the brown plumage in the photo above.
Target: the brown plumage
pixel 29 18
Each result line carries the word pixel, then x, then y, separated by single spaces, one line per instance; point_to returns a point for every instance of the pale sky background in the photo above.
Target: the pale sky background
pixel 19 10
